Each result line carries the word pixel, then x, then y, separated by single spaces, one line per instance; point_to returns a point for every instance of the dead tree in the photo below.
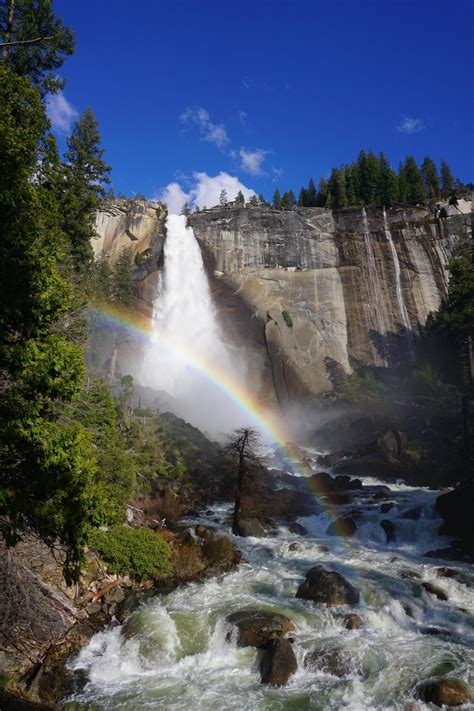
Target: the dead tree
pixel 242 449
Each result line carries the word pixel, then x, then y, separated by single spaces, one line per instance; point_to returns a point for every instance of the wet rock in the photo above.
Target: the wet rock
pixel 389 528
pixel 251 527
pixel 322 483
pixel 446 572
pixel 298 528
pixel 10 701
pixel 327 587
pixel 409 574
pixel 278 663
pixel 435 631
pixel 353 622
pixel 434 590
pixel 344 526
pixel 385 508
pixel 345 482
pixel 412 514
pixel 330 460
pixel 445 692
pixel 392 444
pixel 293 547
pixel 455 508
pixel 375 465
pixel 451 553
pixel 330 661
pixel 412 707
pixel 257 628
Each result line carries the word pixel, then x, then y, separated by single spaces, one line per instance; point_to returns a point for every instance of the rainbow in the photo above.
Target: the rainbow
pixel 140 325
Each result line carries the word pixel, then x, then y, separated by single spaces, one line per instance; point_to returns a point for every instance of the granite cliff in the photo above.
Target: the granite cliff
pixel 306 292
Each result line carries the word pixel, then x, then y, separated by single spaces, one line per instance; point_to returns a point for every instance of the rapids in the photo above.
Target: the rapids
pixel 174 655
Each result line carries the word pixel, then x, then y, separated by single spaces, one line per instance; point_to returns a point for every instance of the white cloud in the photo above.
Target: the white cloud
pixel 61 113
pixel 410 125
pixel 212 132
pixel 251 161
pixel 205 191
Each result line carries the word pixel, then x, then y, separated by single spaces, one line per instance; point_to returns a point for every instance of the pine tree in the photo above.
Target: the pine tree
pixel 223 199
pixel 85 173
pixel 328 203
pixel 430 176
pixel 337 188
pixel 185 209
pixel 240 199
pixel 23 20
pixel 311 194
pixel 276 200
pixel 102 277
pixel 262 201
pixel 302 198
pixel 370 180
pixel 416 189
pixel 403 187
pixel 322 193
pixel 388 184
pixel 288 200
pixel 253 202
pixel 46 462
pixel 122 284
pixel 447 180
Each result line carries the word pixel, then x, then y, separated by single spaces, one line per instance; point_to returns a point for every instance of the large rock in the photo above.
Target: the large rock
pixel 251 527
pixel 344 526
pixel 446 692
pixel 257 628
pixel 331 661
pixel 456 509
pixel 278 663
pixel 392 444
pixel 327 587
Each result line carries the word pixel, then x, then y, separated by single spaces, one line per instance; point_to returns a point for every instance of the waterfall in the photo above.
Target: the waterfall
pixel 398 281
pixel 187 336
pixel 374 282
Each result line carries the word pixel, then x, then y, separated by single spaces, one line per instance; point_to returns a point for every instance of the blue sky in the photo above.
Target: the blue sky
pixel 270 93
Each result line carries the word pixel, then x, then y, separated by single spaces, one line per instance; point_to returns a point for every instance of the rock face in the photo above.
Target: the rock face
pixel 278 663
pixel 303 291
pixel 327 587
pixel 257 628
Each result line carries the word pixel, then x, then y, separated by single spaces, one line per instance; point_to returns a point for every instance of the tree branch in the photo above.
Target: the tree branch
pixel 30 41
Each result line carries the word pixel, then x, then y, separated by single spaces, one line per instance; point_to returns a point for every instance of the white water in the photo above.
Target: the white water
pixel 374 281
pixel 398 281
pixel 186 333
pixel 172 654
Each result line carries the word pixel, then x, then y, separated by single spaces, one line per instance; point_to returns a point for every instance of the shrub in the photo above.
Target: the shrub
pixel 139 552
pixel 288 320
pixel 219 550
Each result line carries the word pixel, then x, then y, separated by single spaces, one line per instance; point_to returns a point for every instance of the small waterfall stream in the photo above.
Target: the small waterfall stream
pixel 375 291
pixel 398 282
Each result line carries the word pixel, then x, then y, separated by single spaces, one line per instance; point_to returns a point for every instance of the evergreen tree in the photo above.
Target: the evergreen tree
pixel 185 209
pixel 253 202
pixel 302 198
pixel 337 188
pixel 276 200
pixel 102 277
pixel 311 194
pixel 447 180
pixel 262 201
pixel 240 199
pixel 328 204
pixel 388 184
pixel 25 20
pixel 46 462
pixel 416 189
pixel 430 176
pixel 403 187
pixel 223 199
pixel 122 284
pixel 85 172
pixel 288 200
pixel 370 180
pixel 322 193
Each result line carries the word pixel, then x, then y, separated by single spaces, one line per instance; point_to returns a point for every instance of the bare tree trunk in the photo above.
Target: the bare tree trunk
pixel 9 30
pixel 240 480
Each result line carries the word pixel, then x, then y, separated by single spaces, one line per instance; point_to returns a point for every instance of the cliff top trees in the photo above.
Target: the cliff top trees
pixel 223 199
pixel 84 175
pixel 430 177
pixel 447 180
pixel 276 203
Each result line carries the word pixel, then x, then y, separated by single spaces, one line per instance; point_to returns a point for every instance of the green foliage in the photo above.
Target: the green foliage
pixel 253 202
pixel 287 317
pixel 288 200
pixel 139 553
pixel 40 368
pixel 83 177
pixel 122 283
pixel 447 180
pixel 430 177
pixel 240 200
pixel 276 203
pixel 40 61
pixel 416 192
pixel 186 209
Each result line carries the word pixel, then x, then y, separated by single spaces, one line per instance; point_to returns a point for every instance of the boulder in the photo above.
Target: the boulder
pixel 445 692
pixel 389 528
pixel 434 590
pixel 278 663
pixel 353 621
pixel 412 514
pixel 251 527
pixel 258 628
pixel 455 508
pixel 375 465
pixel 322 483
pixel 298 528
pixel 330 661
pixel 392 444
pixel 385 508
pixel 345 482
pixel 327 587
pixel 344 526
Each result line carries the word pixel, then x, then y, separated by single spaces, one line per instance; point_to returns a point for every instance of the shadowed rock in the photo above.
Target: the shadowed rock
pixel 278 663
pixel 257 628
pixel 445 692
pixel 342 527
pixel 327 587
pixel 331 661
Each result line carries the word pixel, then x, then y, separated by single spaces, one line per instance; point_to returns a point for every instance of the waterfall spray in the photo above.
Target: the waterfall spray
pixel 398 281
